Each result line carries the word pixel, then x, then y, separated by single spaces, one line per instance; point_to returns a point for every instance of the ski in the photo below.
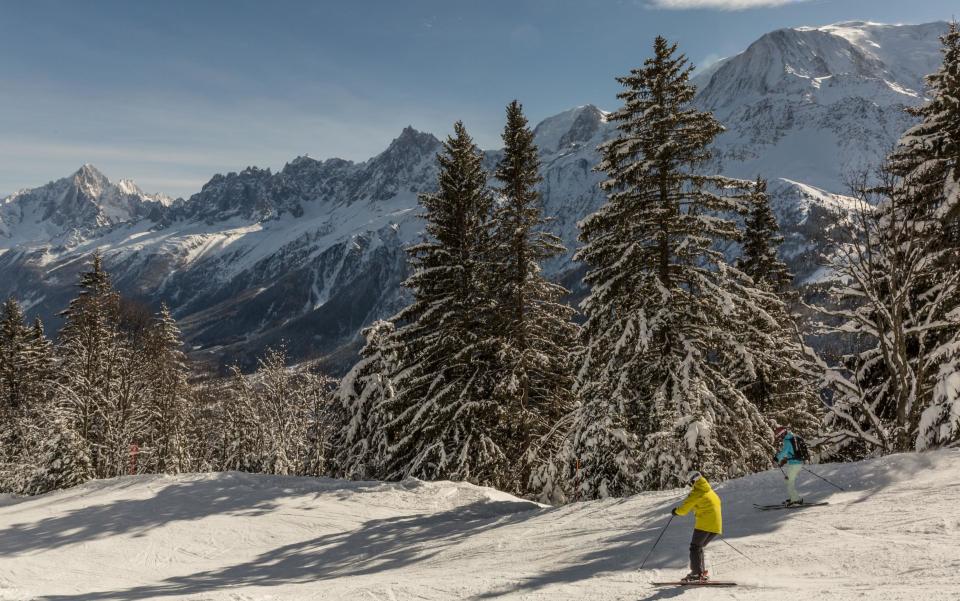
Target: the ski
pixel 705 583
pixel 781 506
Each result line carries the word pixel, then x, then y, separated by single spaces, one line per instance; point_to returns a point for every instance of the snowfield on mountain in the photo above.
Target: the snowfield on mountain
pixel 891 535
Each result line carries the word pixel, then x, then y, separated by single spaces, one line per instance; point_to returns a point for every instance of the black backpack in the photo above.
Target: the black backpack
pixel 800 449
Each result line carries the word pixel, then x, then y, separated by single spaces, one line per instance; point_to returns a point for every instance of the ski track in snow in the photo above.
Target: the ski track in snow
pixel 217 537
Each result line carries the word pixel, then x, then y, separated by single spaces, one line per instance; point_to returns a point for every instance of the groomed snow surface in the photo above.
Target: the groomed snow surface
pixel 892 535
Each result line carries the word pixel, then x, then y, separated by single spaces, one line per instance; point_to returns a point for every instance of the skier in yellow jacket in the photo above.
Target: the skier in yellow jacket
pixel 706 507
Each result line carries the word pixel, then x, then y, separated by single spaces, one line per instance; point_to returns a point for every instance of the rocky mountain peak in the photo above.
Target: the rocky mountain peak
pixel 588 122
pixel 569 128
pixel 407 163
pixel 74 207
pixel 412 138
pixel 90 184
pixel 91 180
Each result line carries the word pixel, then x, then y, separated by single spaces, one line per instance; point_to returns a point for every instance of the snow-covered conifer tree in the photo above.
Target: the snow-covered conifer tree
pixel 65 461
pixel 167 397
pixel 778 376
pixel 42 352
pixel 658 380
pixel 361 403
pixel 14 392
pixel 94 387
pixel 928 161
pixel 927 156
pixel 25 387
pixel 16 356
pixel 445 422
pixel 536 338
pixel 761 239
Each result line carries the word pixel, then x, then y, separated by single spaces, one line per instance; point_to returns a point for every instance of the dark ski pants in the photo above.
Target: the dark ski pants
pixel 697 543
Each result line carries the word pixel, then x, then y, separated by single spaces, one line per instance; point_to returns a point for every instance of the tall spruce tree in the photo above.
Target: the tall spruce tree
pixel 536 337
pixel 927 160
pixel 91 378
pixel 42 351
pixel 780 380
pixel 25 387
pixel 445 420
pixel 761 240
pixel 16 356
pixel 664 315
pixel 168 393
pixel 927 157
pixel 14 396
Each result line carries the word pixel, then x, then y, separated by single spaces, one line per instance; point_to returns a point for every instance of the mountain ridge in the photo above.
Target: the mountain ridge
pixel 314 251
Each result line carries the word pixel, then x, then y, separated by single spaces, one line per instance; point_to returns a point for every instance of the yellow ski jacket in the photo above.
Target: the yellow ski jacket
pixel 705 505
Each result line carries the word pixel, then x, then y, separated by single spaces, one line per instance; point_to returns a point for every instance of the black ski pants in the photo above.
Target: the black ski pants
pixel 697 543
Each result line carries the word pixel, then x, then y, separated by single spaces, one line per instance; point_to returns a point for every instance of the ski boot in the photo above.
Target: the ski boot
pixel 789 503
pixel 694 577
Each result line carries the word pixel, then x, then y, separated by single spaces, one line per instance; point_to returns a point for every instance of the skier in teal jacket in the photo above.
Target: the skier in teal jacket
pixel 791 465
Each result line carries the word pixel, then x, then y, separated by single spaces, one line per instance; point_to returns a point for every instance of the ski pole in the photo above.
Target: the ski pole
pixel 739 551
pixel 650 552
pixel 824 479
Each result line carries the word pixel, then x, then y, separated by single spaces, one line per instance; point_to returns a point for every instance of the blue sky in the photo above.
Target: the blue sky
pixel 169 93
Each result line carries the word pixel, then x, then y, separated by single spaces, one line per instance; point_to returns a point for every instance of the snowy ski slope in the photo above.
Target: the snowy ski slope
pixel 892 535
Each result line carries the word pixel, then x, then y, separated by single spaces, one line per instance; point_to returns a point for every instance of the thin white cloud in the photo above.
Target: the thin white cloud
pixel 718 4
pixel 708 61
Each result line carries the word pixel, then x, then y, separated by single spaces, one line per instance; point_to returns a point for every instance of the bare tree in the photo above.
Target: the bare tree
pixel 894 297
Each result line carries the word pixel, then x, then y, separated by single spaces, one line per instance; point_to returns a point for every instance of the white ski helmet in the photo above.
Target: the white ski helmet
pixel 693 476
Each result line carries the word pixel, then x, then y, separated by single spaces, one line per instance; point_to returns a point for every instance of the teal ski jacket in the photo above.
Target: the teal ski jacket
pixel 787 451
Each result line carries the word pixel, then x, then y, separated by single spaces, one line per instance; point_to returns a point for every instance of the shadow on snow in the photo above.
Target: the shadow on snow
pixel 382 545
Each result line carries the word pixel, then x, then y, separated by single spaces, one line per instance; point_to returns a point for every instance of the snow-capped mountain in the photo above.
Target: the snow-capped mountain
pixel 813 105
pixel 810 108
pixel 312 253
pixel 73 208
